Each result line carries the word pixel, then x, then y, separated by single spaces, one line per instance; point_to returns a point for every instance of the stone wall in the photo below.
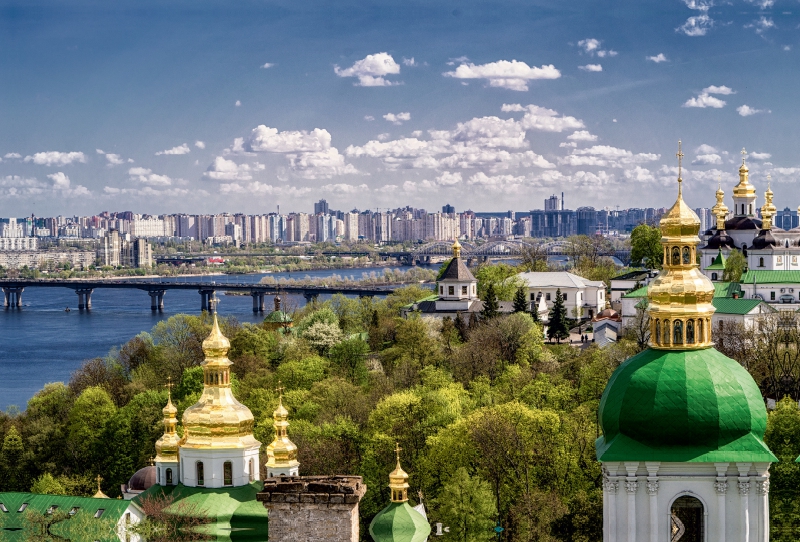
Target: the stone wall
pixel 313 508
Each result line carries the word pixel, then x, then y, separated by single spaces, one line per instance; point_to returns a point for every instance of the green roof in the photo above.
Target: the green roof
pixel 718 263
pixel 278 317
pixel 727 289
pixel 680 406
pixel 236 513
pixel 433 297
pixel 729 305
pixel 399 522
pixel 639 292
pixel 771 277
pixel 14 524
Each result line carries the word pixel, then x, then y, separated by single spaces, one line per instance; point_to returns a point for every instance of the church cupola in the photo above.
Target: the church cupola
pixel 167 447
pixel 282 452
pixel 720 210
pixel 744 193
pixel 457 287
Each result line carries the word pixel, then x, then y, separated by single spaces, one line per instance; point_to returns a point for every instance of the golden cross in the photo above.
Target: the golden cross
pixel 169 384
pixel 680 160
pixel 397 449
pixel 99 479
pixel 280 389
pixel 769 179
pixel 744 154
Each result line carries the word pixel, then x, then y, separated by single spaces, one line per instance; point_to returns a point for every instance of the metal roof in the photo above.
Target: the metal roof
pixel 771 277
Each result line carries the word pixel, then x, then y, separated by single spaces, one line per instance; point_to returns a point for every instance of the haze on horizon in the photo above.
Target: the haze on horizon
pixel 161 107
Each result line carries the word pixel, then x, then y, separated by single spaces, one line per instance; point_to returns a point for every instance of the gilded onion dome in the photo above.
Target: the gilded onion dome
pixel 456 249
pixel 282 452
pixel 398 480
pixel 217 420
pixel 720 210
pixel 744 189
pixel 167 446
pixel 768 210
pixel 680 297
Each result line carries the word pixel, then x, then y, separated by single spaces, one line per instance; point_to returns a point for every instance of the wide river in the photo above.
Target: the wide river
pixel 42 343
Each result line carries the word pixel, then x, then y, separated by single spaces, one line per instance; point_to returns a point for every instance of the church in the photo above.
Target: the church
pixel 682 446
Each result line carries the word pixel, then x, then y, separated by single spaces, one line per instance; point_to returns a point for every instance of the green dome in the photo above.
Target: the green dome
pixel 398 522
pixel 694 405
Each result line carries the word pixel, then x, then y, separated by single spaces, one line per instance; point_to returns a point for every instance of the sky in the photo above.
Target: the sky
pixel 218 106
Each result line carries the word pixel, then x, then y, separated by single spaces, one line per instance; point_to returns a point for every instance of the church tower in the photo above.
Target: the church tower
pixel 682 448
pixel 744 193
pixel 167 459
pixel 218 448
pixel 282 452
pixel 458 287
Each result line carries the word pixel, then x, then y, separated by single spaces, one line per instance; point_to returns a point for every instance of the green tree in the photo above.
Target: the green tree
pixel 734 266
pixel 349 356
pixel 322 336
pixel 557 327
pixel 11 461
pixel 87 418
pixel 467 506
pixel 502 277
pixel 521 300
pixel 490 304
pixel 783 438
pixel 47 485
pixel 646 249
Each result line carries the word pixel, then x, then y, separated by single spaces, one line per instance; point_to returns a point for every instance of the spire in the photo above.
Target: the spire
pixel 768 210
pixel 282 452
pixel 216 344
pixel 680 155
pixel 168 444
pixel 456 249
pixel 680 298
pixel 744 189
pixel 100 494
pixel 398 479
pixel 720 210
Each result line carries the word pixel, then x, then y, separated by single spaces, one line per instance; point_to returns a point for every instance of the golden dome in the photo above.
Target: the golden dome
pixel 217 420
pixel 100 494
pixel 680 297
pixel 720 210
pixel 282 452
pixel 768 210
pixel 398 480
pixel 167 446
pixel 744 189
pixel 456 249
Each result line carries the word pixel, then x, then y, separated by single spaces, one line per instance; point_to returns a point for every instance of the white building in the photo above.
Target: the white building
pixel 578 292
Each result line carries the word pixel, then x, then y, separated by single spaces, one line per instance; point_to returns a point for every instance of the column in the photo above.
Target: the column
pixel 81 302
pixel 721 488
pixel 255 301
pixel 161 300
pixel 261 307
pixel 744 493
pixel 19 296
pixel 203 300
pixel 212 306
pixel 652 490
pixel 86 295
pixel 153 301
pixel 611 486
pixel 762 491
pixel 5 294
pixel 631 486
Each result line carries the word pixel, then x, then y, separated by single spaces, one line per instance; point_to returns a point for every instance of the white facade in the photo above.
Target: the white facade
pixel 456 295
pixel 18 243
pixel 210 463
pixel 638 500
pixel 578 292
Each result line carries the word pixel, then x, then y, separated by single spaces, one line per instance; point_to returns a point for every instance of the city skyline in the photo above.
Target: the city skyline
pixel 256 105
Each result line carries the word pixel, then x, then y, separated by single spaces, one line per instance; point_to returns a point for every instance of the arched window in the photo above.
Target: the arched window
pixel 158 474
pixel 252 470
pixel 686 520
pixel 676 256
pixel 658 331
pixel 667 331
pixel 690 332
pixel 227 473
pixel 686 256
pixel 701 336
pixel 169 477
pixel 201 479
pixel 677 335
pixel 761 262
pixel 714 276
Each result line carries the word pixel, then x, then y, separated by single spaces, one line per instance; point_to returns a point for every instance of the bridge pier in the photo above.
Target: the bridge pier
pixel 156 300
pixel 310 297
pixel 84 298
pixel 207 301
pixel 258 301
pixel 13 296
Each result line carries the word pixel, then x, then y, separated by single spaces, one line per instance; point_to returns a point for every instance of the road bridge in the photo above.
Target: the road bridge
pixel 13 289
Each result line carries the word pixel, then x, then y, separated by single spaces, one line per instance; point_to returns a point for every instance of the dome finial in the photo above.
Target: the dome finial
pixel 680 155
pixel 744 156
pixel 282 452
pixel 99 494
pixel 398 479
pixel 216 344
pixel 456 249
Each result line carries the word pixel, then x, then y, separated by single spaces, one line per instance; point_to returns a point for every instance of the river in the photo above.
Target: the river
pixel 43 343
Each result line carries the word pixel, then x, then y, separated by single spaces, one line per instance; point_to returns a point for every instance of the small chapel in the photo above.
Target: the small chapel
pixel 682 447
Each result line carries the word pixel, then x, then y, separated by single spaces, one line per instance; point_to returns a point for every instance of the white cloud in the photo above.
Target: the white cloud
pixel 62 183
pixel 383 137
pixel 512 75
pixel 421 186
pixel 180 149
pixel 746 110
pixel 606 156
pixel 713 89
pixel 409 61
pixel 761 25
pixel 146 176
pixel 707 159
pixel 485 132
pixel 705 149
pixel 568 144
pixel 55 158
pixel 541 118
pixel 582 135
pixel 696 26
pixel 369 118
pixel 660 57
pixel 200 144
pixel 238 103
pixel 12 155
pixel 639 174
pixel 699 5
pixel 115 159
pixel 591 68
pixel 448 178
pixel 344 188
pixel 265 139
pixel 371 70
pixel 398 118
pixel 704 99
pixel 591 46
pixel 321 164
pixel 228 170
pixel 267 65
pixel 763 4
pixel 787 47
pixel 259 188
pixel 759 156
pixel 150 192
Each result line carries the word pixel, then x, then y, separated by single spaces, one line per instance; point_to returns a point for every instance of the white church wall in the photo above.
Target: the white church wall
pixel 213 466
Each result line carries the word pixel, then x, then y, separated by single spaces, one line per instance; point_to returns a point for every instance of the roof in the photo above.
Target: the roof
pixel 457 270
pixel 682 406
pixel 719 262
pixel 278 317
pixel 428 306
pixel 729 305
pixel 639 292
pixel 727 289
pixel 558 279
pixel 771 277
pixel 143 478
pixel 638 274
pixel 742 223
pixel 113 509
pixel 399 522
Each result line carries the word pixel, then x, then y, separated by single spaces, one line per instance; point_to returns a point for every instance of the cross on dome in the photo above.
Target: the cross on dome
pixel 397 450
pixel 743 152
pixel 680 155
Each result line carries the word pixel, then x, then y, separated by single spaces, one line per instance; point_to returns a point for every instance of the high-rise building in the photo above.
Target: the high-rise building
pixel 112 249
pixel 321 207
pixel 448 209
pixel 587 221
pixel 551 203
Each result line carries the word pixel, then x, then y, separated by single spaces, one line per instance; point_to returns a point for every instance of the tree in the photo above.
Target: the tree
pixel 521 300
pixel 534 257
pixel 734 266
pixel 349 356
pixel 11 459
pixel 323 336
pixel 490 304
pixel 557 327
pixel 502 277
pixel 46 484
pixel 639 328
pixel 467 506
pixel 646 249
pixel 87 418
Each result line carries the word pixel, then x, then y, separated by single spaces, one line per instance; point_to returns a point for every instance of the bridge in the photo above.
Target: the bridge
pixel 13 288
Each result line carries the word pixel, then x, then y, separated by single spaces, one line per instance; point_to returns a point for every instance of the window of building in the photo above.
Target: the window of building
pixel 714 276
pixel 451 290
pixel 227 473
pixel 690 332
pixel 677 336
pixel 463 290
pixel 547 296
pixel 169 477
pixel 658 331
pixel 687 517
pixel 772 296
pixel 252 470
pixel 761 262
pixel 22 508
pixel 686 256
pixel 441 290
pixel 52 509
pixel 200 474
pixel 533 297
pixel 564 296
pixel 3 508
pixel 99 513
pixel 158 474
pixel 676 256
pixel 74 510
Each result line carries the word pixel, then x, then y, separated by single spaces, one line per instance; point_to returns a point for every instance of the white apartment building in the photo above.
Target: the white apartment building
pixel 578 292
pixel 148 228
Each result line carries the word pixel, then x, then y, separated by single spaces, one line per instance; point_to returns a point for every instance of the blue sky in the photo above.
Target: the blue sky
pixel 240 106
